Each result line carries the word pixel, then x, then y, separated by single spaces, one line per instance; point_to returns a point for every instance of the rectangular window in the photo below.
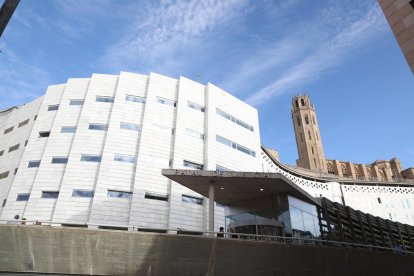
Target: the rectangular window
pixel 222 169
pixel 76 102
pixel 195 106
pixel 98 127
pixel 4 175
pixel 25 122
pixel 234 119
pixel 35 118
pixel 22 197
pixel 103 99
pixel 192 165
pixel 83 193
pixel 10 129
pixel 166 101
pixel 379 200
pixel 25 142
pixel 194 133
pixel 130 126
pixel 119 194
pixel 91 158
pixel 59 160
pixel 235 145
pixel 53 107
pixel 1 152
pixel 192 199
pixel 4 203
pixel 13 148
pixel 49 194
pixel 34 164
pixel 156 196
pixel 15 171
pixel 44 133
pixel 125 158
pixel 68 129
pixel 135 99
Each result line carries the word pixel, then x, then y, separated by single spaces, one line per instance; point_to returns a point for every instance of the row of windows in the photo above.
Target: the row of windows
pixel 22 123
pixel 234 145
pixel 195 106
pixel 86 158
pixel 234 119
pixel 111 193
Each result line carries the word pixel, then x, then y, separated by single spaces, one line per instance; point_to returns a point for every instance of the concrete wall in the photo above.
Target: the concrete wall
pixel 42 249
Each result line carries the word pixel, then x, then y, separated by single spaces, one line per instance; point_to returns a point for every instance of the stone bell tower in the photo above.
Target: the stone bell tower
pixel 308 139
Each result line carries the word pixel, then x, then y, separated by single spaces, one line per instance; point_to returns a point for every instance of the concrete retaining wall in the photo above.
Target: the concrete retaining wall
pixel 43 249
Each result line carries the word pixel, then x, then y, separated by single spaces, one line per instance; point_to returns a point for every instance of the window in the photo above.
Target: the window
pixel 234 119
pixel 130 126
pixel 119 194
pixel 59 160
pixel 235 145
pixel 53 107
pixel 83 193
pixel 13 148
pixel 44 133
pixel 91 158
pixel 192 199
pixel 4 203
pixel 76 102
pixel 317 136
pixel 307 119
pixel 166 102
pixel 192 165
pixel 297 103
pixel 98 127
pixel 10 129
pixel 25 122
pixel 135 99
pixel 25 142
pixel 195 106
pixel 310 136
pixel 156 196
pixel 194 133
pixel 103 99
pixel 48 194
pixel 301 136
pixel 1 152
pixel 312 151
pixel 34 118
pixel 34 164
pixel 222 169
pixel 68 129
pixel 22 197
pixel 4 175
pixel 379 200
pixel 313 120
pixel 302 102
pixel 125 158
pixel 298 120
pixel 15 171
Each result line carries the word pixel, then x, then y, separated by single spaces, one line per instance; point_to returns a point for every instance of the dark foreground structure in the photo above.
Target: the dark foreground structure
pixel 43 249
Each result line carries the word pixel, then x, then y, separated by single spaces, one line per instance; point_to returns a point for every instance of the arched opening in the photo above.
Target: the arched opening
pixel 302 101
pixel 307 119
pixel 298 120
pixel 297 103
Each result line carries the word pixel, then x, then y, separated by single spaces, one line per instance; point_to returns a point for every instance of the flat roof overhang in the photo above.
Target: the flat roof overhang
pixel 231 187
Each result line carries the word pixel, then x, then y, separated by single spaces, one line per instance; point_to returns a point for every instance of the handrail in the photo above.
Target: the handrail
pixel 232 235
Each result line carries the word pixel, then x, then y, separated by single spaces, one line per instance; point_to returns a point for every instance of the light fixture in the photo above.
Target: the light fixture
pixel 222 188
pixel 261 189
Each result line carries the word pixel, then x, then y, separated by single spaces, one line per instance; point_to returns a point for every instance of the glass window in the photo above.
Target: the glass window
pixel 192 165
pixel 104 99
pixel 223 140
pixel 192 199
pixel 76 102
pixel 222 169
pixel 83 193
pixel 166 101
pixel 1 152
pixel 4 203
pixel 125 158
pixel 130 126
pixel 119 194
pixel 53 107
pixel 48 194
pixel 4 175
pixel 68 129
pixel 235 145
pixel 156 196
pixel 234 119
pixel 195 106
pixel 25 122
pixel 13 148
pixel 59 160
pixel 98 127
pixel 34 164
pixel 91 158
pixel 194 133
pixel 223 114
pixel 44 133
pixel 10 129
pixel 22 197
pixel 135 99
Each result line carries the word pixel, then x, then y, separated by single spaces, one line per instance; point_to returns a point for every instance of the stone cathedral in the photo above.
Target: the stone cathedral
pixel 312 156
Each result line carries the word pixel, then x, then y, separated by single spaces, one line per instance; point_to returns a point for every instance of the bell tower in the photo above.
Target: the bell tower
pixel 308 139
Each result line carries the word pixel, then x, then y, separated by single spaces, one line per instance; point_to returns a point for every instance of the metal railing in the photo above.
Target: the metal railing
pixel 209 234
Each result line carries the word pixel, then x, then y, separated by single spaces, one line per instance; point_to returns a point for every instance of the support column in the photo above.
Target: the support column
pixel 211 208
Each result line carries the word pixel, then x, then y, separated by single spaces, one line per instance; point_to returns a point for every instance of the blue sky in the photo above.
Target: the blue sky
pixel 341 53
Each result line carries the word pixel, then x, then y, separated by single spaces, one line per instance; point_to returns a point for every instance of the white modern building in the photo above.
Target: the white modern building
pixel 92 150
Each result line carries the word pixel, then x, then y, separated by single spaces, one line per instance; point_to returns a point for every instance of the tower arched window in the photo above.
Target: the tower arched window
pixel 313 120
pixel 301 136
pixel 313 151
pixel 298 119
pixel 307 119
pixel 310 136
pixel 302 101
pixel 317 136
pixel 297 103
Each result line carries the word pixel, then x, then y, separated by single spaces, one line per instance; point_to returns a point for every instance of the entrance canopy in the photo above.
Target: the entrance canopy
pixel 231 187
